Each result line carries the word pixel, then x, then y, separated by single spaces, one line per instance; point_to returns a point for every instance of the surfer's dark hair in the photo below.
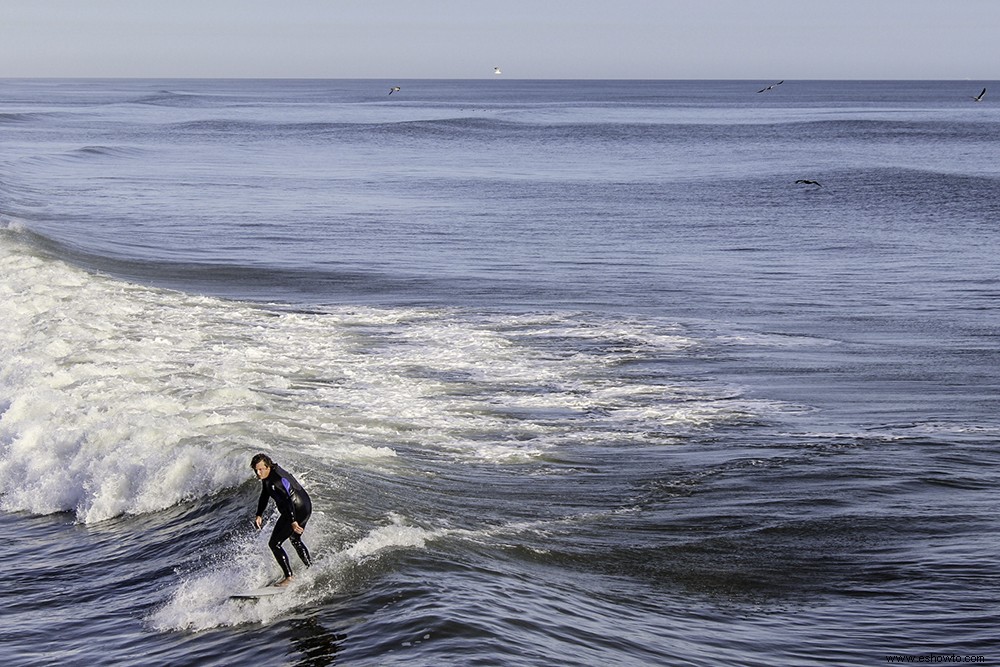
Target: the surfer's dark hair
pixel 261 457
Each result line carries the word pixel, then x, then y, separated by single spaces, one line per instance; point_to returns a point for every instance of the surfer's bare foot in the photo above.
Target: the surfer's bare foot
pixel 285 581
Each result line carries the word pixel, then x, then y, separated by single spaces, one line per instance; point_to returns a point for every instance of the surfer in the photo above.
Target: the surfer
pixel 294 508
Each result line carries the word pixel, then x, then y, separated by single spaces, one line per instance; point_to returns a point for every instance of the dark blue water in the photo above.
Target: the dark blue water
pixel 574 371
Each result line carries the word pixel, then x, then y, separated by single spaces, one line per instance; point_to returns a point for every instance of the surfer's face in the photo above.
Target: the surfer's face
pixel 262 470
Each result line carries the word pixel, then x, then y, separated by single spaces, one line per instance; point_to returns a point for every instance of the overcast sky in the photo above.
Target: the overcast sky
pixel 621 39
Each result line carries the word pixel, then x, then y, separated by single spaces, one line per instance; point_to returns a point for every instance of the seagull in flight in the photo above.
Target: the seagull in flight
pixel 394 89
pixel 806 181
pixel 496 70
pixel 764 90
pixel 980 96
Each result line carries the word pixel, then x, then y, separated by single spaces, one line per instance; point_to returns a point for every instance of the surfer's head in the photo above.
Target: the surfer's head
pixel 261 464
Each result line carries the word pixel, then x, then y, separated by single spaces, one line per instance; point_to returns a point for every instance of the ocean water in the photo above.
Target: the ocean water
pixel 574 371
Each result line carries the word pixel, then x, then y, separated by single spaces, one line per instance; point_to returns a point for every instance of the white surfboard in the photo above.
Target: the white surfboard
pixel 257 593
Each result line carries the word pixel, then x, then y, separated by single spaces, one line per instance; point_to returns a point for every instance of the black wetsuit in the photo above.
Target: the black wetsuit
pixel 293 505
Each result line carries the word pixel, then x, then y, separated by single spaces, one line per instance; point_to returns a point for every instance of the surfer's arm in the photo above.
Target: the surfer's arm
pixel 261 504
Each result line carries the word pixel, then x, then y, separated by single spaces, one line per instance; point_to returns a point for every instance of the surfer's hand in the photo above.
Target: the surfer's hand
pixel 297 528
pixel 259 521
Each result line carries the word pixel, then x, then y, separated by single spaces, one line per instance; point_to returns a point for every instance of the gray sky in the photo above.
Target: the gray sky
pixel 397 39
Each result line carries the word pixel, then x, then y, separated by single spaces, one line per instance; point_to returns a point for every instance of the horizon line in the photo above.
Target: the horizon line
pixel 452 78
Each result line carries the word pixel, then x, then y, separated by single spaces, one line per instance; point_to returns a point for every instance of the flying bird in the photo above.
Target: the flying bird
pixel 496 70
pixel 394 89
pixel 980 96
pixel 806 181
pixel 764 90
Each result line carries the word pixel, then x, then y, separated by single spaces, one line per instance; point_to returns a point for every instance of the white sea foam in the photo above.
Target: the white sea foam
pixel 117 398
pixel 202 601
